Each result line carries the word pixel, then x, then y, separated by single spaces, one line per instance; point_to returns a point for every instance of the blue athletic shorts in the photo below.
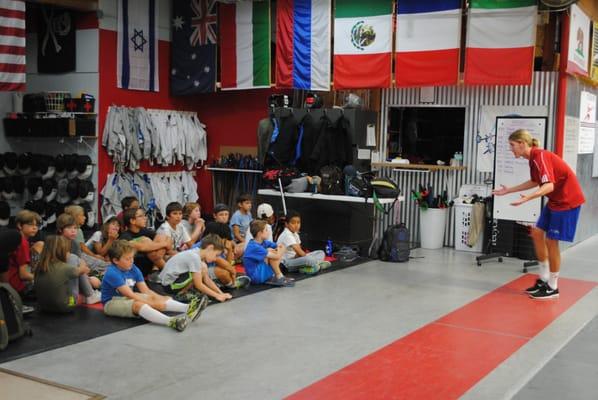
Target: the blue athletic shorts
pixel 559 225
pixel 261 273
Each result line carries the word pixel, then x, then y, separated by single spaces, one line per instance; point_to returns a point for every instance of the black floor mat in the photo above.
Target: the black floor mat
pixel 52 331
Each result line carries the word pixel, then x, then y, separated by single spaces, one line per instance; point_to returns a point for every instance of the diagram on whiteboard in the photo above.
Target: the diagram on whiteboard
pixel 511 171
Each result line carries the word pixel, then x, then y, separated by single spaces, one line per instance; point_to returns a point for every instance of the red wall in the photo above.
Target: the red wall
pixel 231 117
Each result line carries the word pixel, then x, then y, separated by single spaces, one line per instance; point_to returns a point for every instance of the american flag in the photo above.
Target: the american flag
pixel 12 45
pixel 204 22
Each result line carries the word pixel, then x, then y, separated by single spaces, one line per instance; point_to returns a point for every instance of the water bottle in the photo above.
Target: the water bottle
pixel 328 248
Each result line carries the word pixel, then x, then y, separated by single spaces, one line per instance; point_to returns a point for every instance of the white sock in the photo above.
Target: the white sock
pixel 176 306
pixel 544 270
pixel 152 315
pixel 553 281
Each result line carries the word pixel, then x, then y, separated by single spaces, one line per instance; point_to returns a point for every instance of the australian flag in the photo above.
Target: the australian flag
pixel 194 46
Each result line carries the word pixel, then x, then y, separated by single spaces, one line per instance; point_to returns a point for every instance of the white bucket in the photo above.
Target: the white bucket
pixel 432 223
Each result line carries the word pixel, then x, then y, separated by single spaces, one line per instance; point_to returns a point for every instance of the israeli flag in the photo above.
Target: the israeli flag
pixel 137 49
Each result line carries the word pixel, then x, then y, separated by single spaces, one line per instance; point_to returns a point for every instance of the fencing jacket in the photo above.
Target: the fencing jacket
pixel 311 128
pixel 334 145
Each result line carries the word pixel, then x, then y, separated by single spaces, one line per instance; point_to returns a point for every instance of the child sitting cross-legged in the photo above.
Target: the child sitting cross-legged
pixel 188 270
pixel 20 273
pixel 120 299
pixel 262 258
pixel 295 258
pixel 101 240
pixel 56 280
pixel 192 221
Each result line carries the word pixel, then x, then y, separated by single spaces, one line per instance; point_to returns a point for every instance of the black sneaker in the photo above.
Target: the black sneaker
pixel 539 285
pixel 545 293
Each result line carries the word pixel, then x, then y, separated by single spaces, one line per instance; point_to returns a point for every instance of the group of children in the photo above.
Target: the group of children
pixel 134 270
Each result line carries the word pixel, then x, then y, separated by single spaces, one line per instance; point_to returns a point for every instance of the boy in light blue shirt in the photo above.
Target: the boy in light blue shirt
pixel 241 219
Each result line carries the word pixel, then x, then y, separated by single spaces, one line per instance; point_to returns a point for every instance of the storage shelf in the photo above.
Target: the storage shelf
pixel 249 171
pixel 427 167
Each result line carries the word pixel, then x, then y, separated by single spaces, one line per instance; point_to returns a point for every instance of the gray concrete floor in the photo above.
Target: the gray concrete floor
pixel 273 343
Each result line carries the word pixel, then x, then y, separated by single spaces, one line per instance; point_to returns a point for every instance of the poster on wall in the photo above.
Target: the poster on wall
pixel 594 66
pixel 571 142
pixel 486 131
pixel 587 122
pixel 579 42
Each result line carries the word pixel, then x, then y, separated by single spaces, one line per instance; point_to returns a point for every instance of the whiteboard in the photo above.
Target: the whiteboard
pixel 510 171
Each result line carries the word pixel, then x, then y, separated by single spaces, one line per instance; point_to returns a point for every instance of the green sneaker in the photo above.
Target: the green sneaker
pixel 179 323
pixel 325 264
pixel 242 281
pixel 196 307
pixel 310 270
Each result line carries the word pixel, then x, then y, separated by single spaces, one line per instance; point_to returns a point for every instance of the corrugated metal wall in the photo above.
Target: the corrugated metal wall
pixel 542 92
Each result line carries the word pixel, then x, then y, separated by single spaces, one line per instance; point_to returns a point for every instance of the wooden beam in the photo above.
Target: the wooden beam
pixel 78 5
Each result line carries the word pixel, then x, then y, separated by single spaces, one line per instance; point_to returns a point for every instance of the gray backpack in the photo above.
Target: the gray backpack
pixel 12 325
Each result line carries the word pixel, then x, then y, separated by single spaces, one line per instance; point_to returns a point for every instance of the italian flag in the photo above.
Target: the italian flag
pixel 501 35
pixel 362 44
pixel 245 45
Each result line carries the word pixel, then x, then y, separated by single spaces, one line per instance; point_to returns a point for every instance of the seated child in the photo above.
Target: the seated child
pixel 95 262
pixel 119 299
pixel 57 281
pixel 20 273
pixel 125 204
pixel 239 222
pixel 221 215
pixel 66 226
pixel 173 228
pixel 188 269
pixel 265 213
pixel 151 248
pixel 262 258
pixel 10 240
pixel 294 257
pixel 101 240
pixel 192 221
pixel 222 268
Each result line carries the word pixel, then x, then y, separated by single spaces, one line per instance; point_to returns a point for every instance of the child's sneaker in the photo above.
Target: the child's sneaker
pixel 196 306
pixel 310 270
pixel 179 323
pixel 96 297
pixel 242 281
pixel 324 265
pixel 280 281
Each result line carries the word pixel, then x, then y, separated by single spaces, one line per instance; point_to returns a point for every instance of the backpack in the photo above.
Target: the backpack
pixel 286 176
pixel 332 180
pixel 384 188
pixel 12 325
pixel 395 244
pixel 360 186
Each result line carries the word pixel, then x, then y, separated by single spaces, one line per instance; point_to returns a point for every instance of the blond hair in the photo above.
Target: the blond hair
pixel 119 248
pixel 55 249
pixel 25 217
pixel 522 135
pixel 74 211
pixel 188 209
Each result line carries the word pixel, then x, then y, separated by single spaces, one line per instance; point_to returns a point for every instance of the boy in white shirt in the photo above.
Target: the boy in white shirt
pixel 295 258
pixel 174 229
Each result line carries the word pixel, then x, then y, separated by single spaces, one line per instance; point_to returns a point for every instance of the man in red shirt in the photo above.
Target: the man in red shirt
pixel 559 217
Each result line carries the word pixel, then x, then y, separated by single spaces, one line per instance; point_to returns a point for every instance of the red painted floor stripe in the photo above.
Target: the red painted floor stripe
pixel 445 358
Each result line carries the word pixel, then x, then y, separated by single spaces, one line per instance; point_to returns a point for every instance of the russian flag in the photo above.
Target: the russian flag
pixel 303 44
pixel 428 42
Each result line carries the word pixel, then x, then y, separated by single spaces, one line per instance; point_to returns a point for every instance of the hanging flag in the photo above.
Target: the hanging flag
pixel 56 41
pixel 245 45
pixel 194 47
pixel 12 45
pixel 428 42
pixel 501 36
pixel 137 45
pixel 303 44
pixel 362 44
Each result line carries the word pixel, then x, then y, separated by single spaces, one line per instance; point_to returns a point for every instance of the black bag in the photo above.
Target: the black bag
pixel 34 102
pixel 360 186
pixel 12 325
pixel 332 180
pixel 286 176
pixel 395 244
pixel 385 188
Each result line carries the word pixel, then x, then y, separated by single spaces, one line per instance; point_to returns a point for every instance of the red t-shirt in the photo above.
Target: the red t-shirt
pixel 545 167
pixel 20 256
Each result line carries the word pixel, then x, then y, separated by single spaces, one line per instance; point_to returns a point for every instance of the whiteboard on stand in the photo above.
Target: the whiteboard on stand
pixel 511 171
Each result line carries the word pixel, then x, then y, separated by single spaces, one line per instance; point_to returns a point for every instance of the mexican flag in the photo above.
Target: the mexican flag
pixel 362 44
pixel 501 35
pixel 245 45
